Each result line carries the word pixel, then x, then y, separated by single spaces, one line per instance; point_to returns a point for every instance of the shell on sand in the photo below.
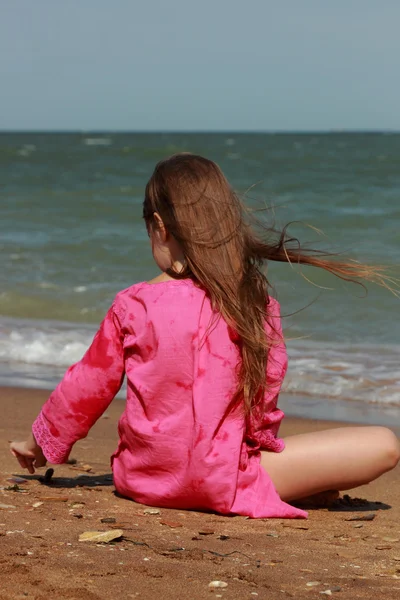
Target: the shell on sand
pixel 101 536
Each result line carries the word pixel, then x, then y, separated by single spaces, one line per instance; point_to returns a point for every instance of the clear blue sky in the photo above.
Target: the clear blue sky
pixel 199 65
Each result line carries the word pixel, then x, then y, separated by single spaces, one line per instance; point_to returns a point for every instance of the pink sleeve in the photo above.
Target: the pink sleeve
pixel 85 392
pixel 264 422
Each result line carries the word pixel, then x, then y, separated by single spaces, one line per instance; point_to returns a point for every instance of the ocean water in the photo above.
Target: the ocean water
pixel 71 236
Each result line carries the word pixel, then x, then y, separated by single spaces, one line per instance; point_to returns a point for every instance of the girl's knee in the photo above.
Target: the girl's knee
pixel 389 446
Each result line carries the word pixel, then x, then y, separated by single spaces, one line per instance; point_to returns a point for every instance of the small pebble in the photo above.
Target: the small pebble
pixel 369 517
pixel 101 536
pixel 37 504
pixel 313 583
pixel 305 571
pixel 83 468
pixel 171 524
pixel 207 531
pixel 48 475
pixel 108 520
pixel 151 511
pixel 55 498
pixel 17 480
pixel 217 584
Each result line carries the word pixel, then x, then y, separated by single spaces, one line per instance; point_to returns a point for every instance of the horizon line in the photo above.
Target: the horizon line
pixel 202 131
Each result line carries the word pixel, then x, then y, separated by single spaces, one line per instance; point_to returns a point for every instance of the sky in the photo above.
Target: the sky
pixel 208 65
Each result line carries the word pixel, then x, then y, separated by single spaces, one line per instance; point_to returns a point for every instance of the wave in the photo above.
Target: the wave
pixel 36 353
pixel 355 372
pixel 97 141
pixel 49 343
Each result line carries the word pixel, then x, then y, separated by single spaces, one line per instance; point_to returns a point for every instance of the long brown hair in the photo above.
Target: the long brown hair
pixel 225 255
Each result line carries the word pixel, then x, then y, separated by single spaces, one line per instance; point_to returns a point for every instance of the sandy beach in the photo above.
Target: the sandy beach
pixel 172 553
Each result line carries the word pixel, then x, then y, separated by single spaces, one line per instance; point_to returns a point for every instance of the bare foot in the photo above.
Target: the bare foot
pixel 320 500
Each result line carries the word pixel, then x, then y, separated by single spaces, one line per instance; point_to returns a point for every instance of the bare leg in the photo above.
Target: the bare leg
pixel 336 459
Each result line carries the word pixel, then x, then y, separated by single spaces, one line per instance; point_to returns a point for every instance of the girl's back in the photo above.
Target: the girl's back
pixel 181 443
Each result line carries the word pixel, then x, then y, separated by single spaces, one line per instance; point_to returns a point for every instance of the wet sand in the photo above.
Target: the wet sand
pixel 176 554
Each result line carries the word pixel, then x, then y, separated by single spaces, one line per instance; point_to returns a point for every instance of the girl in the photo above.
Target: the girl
pixel 202 350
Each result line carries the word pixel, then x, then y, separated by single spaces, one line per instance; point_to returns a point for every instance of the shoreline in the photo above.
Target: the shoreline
pixel 177 553
pixel 326 415
pixel 336 410
pixel 295 406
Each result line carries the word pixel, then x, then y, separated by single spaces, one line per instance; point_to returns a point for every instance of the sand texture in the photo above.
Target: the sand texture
pixel 176 554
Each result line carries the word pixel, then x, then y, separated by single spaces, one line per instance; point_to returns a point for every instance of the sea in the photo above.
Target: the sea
pixel 72 236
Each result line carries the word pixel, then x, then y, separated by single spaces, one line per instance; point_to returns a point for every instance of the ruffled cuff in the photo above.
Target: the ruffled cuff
pixel 266 440
pixel 55 451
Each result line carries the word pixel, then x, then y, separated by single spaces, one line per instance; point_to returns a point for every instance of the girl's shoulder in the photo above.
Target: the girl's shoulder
pixel 139 296
pixel 129 303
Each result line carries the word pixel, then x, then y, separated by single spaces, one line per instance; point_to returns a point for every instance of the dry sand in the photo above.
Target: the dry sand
pixel 176 554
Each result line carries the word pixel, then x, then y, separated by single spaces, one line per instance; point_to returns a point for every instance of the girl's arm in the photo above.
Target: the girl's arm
pixel 85 392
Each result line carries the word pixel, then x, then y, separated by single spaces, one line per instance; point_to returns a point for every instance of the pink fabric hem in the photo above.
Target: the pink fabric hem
pixel 55 451
pixel 271 443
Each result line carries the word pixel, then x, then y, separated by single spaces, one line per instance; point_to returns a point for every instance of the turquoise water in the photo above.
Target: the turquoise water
pixel 71 236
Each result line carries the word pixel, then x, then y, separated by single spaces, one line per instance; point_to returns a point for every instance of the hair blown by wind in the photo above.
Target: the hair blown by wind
pixel 225 249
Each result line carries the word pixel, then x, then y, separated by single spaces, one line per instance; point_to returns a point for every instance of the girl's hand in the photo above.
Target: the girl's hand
pixel 28 454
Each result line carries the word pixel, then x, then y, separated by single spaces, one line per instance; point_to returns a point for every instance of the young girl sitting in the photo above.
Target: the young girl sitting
pixel 202 350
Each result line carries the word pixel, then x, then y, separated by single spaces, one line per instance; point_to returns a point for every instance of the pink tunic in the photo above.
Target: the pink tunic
pixel 180 446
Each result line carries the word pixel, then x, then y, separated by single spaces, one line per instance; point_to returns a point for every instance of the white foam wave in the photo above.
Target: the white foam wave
pixel 43 343
pixel 363 373
pixel 97 141
pixel 26 149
